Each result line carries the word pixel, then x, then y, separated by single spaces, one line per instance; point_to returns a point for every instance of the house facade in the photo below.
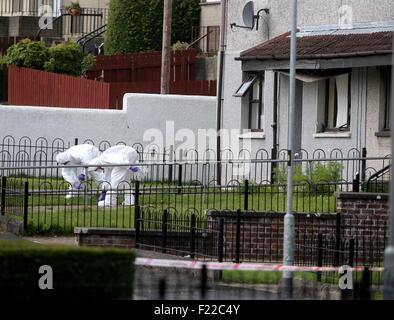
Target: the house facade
pixel 343 76
pixel 20 18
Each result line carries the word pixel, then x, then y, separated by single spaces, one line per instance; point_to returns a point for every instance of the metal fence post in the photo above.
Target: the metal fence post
pixel 3 194
pixel 171 166
pixel 137 214
pixel 246 195
pixel 221 240
pixel 204 280
pixel 319 254
pixel 238 238
pixel 351 252
pixel 356 183
pixel 180 178
pixel 164 231
pixel 337 238
pixel 192 236
pixel 363 165
pixel 25 205
pixel 273 165
pixel 364 287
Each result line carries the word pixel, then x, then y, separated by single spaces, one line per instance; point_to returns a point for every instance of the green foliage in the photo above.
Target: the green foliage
pixel 27 53
pixel 88 63
pixel 78 273
pixel 179 46
pixel 73 5
pixel 136 26
pixel 65 58
pixel 317 177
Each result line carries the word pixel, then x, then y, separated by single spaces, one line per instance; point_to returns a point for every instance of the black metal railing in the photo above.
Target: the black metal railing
pixel 206 40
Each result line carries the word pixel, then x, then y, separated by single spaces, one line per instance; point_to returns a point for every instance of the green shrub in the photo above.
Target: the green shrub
pixel 27 53
pixel 136 26
pixel 65 58
pixel 179 46
pixel 88 63
pixel 318 177
pixel 78 273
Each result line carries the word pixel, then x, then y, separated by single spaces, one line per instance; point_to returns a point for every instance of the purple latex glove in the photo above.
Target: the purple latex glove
pixel 78 185
pixel 81 177
pixel 135 169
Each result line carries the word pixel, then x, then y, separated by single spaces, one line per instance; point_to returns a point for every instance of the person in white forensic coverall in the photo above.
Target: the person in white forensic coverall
pixel 79 155
pixel 113 177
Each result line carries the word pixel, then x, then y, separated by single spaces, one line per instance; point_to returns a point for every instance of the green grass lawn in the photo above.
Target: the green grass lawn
pixel 50 212
pixel 274 277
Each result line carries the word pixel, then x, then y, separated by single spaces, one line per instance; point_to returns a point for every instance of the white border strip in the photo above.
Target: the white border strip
pixel 186 264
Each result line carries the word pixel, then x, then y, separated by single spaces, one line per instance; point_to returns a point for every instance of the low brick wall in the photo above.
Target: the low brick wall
pixel 361 219
pixel 105 237
pixel 262 234
pixel 177 242
pixel 365 218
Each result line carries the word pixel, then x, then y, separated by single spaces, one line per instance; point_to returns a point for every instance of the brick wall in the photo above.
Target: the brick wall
pixel 105 237
pixel 361 219
pixel 365 218
pixel 262 235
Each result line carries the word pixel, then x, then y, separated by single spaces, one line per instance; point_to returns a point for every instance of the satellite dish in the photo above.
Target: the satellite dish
pixel 248 14
pixel 250 19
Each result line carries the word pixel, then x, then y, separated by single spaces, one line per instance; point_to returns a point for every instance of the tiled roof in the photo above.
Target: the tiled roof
pixel 323 46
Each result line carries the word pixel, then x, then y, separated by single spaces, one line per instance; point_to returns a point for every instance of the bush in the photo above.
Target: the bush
pixel 27 53
pixel 318 178
pixel 78 273
pixel 136 26
pixel 179 46
pixel 65 58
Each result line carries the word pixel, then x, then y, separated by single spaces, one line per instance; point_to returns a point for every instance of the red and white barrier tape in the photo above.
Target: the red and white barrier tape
pixel 186 264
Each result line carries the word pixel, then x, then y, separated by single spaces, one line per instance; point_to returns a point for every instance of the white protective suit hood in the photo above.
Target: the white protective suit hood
pixel 117 155
pixel 78 155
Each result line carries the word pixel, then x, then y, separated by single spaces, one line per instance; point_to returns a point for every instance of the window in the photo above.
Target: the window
pixel 251 91
pixel 335 100
pixel 386 97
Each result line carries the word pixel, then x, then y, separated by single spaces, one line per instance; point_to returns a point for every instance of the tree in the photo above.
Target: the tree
pixel 136 26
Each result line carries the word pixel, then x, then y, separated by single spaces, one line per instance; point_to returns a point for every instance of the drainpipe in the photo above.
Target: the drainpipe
pixel 219 110
pixel 274 126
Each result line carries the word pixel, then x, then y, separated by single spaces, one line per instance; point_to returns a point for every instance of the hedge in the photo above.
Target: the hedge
pixel 136 26
pixel 78 273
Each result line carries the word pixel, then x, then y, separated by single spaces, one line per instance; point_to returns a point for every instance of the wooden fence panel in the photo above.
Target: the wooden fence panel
pixel 39 88
pixel 143 67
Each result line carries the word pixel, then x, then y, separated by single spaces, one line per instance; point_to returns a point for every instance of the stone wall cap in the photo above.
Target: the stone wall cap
pixel 248 214
pixel 103 231
pixel 361 195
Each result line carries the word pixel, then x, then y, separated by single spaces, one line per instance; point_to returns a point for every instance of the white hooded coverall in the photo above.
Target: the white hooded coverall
pixel 79 155
pixel 114 176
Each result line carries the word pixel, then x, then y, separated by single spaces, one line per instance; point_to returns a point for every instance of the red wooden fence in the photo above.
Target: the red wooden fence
pixel 143 67
pixel 39 88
